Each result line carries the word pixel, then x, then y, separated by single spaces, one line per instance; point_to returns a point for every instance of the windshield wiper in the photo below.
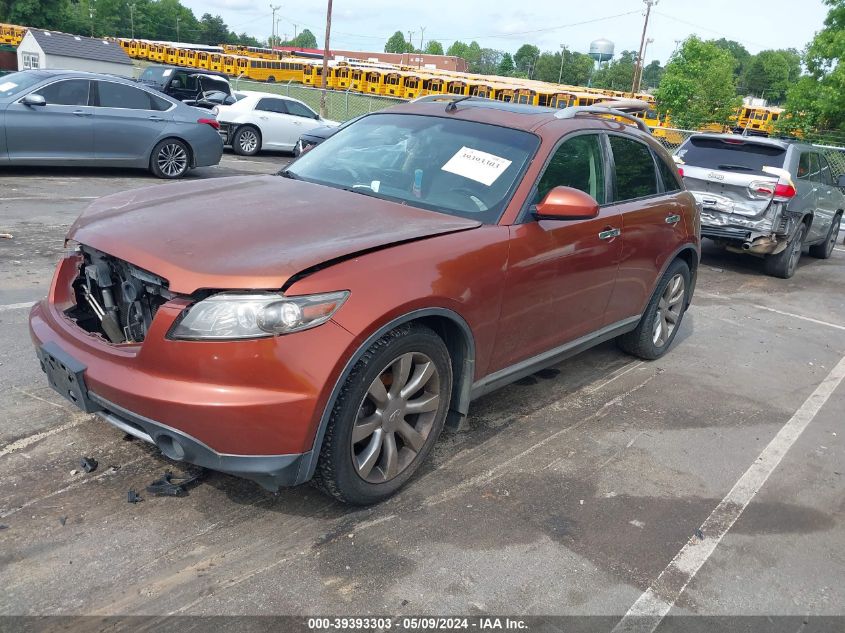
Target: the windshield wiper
pixel 738 167
pixel 287 173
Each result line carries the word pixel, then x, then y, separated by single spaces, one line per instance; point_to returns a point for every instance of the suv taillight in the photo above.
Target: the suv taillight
pixel 784 192
pixel 212 122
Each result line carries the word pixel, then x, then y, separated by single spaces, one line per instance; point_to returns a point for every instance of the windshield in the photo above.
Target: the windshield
pixel 156 75
pixel 731 155
pixel 453 166
pixel 12 84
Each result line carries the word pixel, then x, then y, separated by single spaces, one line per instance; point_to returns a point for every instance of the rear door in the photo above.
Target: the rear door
pixel 128 122
pixel 62 130
pixel 645 193
pixel 808 186
pixel 278 128
pixel 828 199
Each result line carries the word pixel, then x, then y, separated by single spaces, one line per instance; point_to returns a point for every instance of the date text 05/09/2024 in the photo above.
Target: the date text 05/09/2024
pixel 424 623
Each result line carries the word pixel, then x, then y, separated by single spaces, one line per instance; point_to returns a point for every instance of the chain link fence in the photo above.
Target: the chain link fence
pixel 342 104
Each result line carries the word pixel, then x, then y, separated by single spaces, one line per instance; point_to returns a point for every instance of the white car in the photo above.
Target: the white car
pixel 263 120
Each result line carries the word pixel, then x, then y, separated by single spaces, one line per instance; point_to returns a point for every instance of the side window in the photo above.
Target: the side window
pixel 667 175
pixel 825 172
pixel 815 176
pixel 114 95
pixel 804 166
pixel 272 105
pixel 635 173
pixel 577 163
pixel 297 109
pixel 159 104
pixel 73 92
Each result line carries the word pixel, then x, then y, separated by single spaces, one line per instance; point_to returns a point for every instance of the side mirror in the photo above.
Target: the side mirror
pixel 840 182
pixel 34 100
pixel 566 203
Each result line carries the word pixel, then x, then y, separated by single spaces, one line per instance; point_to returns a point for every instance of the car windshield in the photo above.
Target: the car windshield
pixel 731 154
pixel 12 84
pixel 156 75
pixel 449 165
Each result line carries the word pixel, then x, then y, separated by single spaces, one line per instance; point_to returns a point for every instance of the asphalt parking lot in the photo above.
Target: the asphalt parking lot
pixel 604 484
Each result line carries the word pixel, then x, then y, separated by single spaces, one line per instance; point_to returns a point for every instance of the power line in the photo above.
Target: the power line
pixel 703 28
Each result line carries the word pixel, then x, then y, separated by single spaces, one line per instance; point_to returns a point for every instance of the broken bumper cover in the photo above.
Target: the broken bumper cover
pixel 269 471
pixel 760 236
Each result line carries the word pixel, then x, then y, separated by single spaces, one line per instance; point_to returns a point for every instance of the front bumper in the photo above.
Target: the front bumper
pixel 250 408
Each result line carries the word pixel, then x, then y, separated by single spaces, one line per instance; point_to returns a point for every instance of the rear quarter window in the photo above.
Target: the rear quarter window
pixel 731 155
pixel 634 165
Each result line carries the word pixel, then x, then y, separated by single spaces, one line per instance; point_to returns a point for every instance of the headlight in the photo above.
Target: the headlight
pixel 231 315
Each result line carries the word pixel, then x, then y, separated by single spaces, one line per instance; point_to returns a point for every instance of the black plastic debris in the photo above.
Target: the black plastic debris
pixel 172 485
pixel 4 527
pixel 699 534
pixel 133 497
pixel 88 464
pixel 62 520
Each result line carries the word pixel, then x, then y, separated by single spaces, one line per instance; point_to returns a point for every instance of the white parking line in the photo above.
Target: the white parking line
pixel 776 311
pixel 651 607
pixel 13 199
pixel 16 306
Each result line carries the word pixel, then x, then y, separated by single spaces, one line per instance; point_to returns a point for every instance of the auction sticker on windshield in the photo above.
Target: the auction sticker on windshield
pixel 7 86
pixel 477 165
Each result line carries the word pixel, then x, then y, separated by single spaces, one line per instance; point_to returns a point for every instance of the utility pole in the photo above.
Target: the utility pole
pixel 422 41
pixel 273 24
pixel 91 16
pixel 278 32
pixel 132 18
pixel 294 32
pixel 324 111
pixel 178 19
pixel 638 67
pixel 642 68
pixel 562 54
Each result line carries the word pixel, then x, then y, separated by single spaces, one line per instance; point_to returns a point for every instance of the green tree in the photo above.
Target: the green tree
pixel 769 74
pixel 698 86
pixel 618 74
pixel 815 100
pixel 547 67
pixel 306 39
pixel 652 74
pixel 214 30
pixel 739 53
pixel 433 47
pixel 396 44
pixel 488 61
pixel 457 49
pixel 525 57
pixel 577 68
pixel 506 66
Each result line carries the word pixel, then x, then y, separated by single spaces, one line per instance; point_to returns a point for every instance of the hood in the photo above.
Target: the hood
pixel 247 232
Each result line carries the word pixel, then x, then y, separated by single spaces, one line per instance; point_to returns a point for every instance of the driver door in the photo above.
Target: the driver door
pixel 32 131
pixel 560 274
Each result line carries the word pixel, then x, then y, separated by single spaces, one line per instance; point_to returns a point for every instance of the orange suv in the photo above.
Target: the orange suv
pixel 327 323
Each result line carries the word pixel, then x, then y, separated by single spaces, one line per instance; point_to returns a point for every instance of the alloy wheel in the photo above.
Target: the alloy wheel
pixel 795 253
pixel 669 310
pixel 834 233
pixel 248 141
pixel 172 160
pixel 395 417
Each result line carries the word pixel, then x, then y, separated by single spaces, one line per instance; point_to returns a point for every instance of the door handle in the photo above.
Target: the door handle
pixel 609 234
pixel 263 118
pixel 673 219
pixel 81 113
pixel 156 118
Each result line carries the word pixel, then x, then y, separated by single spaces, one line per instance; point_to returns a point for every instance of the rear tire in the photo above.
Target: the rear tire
pixel 247 141
pixel 374 442
pixel 170 159
pixel 825 249
pixel 785 263
pixel 662 318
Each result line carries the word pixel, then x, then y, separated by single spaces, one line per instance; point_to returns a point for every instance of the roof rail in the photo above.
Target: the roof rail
pixel 574 111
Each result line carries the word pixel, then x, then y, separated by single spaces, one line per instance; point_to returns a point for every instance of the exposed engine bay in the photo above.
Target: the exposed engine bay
pixel 116 299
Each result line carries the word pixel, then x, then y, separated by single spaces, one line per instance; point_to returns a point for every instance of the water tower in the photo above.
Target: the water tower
pixel 601 50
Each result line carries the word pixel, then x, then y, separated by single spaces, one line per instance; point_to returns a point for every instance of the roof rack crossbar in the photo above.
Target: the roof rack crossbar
pixel 574 111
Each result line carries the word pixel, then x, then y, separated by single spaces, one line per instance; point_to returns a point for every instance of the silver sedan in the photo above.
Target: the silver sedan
pixel 64 118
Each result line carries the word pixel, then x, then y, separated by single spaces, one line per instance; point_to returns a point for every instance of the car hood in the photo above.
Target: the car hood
pixel 248 232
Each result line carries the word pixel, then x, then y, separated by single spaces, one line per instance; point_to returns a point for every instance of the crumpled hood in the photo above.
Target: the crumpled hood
pixel 247 232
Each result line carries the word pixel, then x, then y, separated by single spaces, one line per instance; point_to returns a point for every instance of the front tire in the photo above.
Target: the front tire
pixel 662 317
pixel 247 141
pixel 825 249
pixel 170 159
pixel 389 414
pixel 785 263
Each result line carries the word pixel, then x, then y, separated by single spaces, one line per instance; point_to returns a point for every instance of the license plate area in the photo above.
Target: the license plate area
pixel 66 375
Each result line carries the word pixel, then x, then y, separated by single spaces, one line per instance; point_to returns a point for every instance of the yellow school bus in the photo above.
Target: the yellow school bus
pixel 758 120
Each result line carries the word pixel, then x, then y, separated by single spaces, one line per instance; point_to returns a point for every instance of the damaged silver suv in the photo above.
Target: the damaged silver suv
pixel 764 197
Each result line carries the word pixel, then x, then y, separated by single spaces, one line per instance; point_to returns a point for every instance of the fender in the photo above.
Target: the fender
pixel 460 392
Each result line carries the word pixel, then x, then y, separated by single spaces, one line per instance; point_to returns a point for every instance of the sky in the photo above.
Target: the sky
pixel 506 25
